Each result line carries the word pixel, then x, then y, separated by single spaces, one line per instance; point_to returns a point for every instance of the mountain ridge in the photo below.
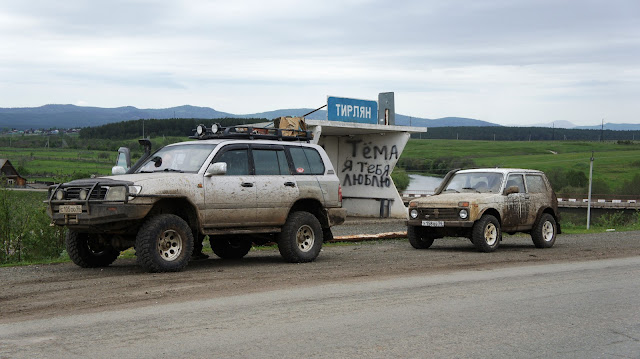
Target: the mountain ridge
pixel 73 116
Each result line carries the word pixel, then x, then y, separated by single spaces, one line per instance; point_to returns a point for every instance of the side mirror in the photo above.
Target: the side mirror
pixel 512 189
pixel 118 170
pixel 216 169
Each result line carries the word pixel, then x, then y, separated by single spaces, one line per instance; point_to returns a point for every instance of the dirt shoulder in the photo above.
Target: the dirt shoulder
pixel 44 291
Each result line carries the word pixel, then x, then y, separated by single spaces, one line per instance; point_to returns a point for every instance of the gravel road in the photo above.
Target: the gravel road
pixel 46 291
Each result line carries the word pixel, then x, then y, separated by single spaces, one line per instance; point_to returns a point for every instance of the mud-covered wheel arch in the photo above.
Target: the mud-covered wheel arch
pixel 182 208
pixel 314 207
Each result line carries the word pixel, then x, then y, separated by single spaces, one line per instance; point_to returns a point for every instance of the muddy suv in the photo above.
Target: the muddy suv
pixel 237 185
pixel 481 204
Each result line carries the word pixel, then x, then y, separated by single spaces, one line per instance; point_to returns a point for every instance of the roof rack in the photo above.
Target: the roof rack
pixel 250 132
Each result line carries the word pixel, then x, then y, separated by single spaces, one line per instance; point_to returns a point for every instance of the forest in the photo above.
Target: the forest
pixel 500 133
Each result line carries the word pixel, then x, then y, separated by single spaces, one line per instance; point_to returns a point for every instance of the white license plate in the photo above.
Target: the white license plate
pixel 70 208
pixel 433 223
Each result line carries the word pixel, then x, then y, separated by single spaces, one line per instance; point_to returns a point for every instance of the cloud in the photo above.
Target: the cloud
pixel 510 62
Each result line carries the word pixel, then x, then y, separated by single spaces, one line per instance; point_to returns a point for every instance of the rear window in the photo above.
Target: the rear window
pixel 535 184
pixel 270 162
pixel 306 161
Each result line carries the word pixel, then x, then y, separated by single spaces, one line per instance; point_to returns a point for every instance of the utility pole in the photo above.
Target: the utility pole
pixel 602 131
pixel 589 196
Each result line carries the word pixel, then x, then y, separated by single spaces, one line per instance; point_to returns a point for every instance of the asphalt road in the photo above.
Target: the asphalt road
pixel 584 309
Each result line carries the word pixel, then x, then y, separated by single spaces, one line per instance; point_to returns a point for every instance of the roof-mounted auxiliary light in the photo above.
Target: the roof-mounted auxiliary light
pixel 215 128
pixel 200 130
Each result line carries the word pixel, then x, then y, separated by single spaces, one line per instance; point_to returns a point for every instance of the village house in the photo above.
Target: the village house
pixel 9 174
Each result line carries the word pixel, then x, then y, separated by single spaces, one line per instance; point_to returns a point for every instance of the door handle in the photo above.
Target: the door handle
pixel 247 184
pixel 289 184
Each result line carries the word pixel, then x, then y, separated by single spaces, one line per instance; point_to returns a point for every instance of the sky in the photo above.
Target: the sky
pixel 510 62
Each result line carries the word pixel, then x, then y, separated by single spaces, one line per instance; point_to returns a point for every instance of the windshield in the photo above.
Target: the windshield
pixel 178 158
pixel 482 182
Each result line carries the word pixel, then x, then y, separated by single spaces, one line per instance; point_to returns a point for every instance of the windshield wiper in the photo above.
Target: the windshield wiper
pixel 473 189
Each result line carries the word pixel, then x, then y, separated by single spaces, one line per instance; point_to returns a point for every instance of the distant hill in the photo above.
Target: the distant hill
pixel 403 120
pixel 71 116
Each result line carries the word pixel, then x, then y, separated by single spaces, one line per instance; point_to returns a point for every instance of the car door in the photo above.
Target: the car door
pixel 276 187
pixel 517 204
pixel 538 195
pixel 230 199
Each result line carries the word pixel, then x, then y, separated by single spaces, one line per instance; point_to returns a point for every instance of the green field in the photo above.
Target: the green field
pixel 614 163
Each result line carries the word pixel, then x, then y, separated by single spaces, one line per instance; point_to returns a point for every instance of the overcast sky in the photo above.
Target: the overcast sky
pixel 505 61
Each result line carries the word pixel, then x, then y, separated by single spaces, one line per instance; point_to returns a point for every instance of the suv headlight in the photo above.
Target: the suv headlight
pixel 118 193
pixel 413 213
pixel 463 214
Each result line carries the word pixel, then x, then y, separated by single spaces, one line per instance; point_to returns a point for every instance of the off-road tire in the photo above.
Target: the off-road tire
pixel 301 238
pixel 419 238
pixel 85 250
pixel 164 244
pixel 229 247
pixel 486 234
pixel 544 231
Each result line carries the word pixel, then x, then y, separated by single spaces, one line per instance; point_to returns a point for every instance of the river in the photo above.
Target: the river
pixel 423 183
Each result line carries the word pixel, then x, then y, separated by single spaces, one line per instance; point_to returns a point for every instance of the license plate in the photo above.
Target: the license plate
pixel 433 223
pixel 70 208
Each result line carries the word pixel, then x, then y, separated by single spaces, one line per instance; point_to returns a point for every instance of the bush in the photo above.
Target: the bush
pixel 25 234
pixel 400 178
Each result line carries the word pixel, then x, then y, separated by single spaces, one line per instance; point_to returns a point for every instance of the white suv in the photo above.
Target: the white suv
pixel 237 185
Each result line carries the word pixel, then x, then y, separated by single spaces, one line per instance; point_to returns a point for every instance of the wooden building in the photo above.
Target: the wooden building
pixel 9 175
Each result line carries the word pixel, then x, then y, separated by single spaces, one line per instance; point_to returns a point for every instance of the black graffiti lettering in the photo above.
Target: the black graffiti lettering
pixel 354 146
pixel 348 166
pixel 366 152
pixel 394 152
pixel 386 171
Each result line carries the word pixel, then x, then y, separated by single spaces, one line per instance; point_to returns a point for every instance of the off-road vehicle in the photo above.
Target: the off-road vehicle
pixel 238 185
pixel 481 204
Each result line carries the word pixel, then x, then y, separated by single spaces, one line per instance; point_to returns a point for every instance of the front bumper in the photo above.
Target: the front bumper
pixel 99 214
pixel 447 224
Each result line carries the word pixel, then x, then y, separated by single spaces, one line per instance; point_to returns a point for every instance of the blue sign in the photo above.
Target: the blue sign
pixel 352 110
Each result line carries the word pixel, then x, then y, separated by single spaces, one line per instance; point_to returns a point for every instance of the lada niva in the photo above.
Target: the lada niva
pixel 481 204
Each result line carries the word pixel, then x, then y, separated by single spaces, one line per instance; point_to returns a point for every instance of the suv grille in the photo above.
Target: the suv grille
pixel 74 192
pixel 443 214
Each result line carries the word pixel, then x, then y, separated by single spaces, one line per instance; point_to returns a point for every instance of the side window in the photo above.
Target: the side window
pixel 270 162
pixel 535 184
pixel 516 180
pixel 237 161
pixel 306 161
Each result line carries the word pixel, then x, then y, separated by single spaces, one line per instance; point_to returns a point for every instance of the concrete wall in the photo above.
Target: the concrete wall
pixel 364 163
